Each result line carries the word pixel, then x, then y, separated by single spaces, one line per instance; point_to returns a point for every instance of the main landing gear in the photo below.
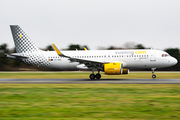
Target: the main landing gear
pixel 93 76
pixel 153 75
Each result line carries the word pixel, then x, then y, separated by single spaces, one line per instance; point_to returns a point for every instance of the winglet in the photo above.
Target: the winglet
pixel 85 48
pixel 56 49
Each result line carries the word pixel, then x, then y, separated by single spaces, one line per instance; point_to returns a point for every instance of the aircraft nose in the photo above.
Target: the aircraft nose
pixel 174 61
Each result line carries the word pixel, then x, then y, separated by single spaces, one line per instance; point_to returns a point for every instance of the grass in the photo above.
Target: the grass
pixel 85 75
pixel 89 101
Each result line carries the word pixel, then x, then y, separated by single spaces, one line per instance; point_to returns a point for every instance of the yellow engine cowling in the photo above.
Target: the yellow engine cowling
pixel 115 69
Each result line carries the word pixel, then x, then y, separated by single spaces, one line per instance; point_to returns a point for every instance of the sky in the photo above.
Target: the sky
pixel 95 23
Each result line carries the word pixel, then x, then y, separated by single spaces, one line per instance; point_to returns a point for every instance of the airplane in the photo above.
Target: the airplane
pixel 111 62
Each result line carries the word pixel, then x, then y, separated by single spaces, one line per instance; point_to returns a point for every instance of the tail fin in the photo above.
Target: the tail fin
pixel 21 40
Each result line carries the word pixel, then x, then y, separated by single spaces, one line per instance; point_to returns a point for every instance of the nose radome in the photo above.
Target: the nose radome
pixel 174 61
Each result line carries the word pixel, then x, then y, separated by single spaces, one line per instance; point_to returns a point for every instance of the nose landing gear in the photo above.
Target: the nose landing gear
pixel 153 76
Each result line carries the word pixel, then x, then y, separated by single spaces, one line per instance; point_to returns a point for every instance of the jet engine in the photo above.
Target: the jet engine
pixel 115 69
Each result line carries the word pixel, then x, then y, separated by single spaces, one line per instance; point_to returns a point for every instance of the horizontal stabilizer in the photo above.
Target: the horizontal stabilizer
pixel 16 56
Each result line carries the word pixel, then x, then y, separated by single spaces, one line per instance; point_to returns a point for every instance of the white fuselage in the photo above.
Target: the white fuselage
pixel 143 58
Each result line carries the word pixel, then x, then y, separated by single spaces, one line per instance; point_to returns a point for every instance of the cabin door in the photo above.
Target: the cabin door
pixel 153 55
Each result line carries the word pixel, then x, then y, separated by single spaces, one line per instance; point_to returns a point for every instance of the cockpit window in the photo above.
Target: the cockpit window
pixel 165 55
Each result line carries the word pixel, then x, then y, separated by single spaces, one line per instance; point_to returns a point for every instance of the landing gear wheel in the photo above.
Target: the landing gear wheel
pixel 98 76
pixel 92 76
pixel 153 76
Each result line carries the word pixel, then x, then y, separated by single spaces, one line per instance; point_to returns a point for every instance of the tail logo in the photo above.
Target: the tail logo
pixel 21 40
pixel 20 35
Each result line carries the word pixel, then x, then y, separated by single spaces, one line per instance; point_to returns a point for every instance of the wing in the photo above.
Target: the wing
pixel 88 62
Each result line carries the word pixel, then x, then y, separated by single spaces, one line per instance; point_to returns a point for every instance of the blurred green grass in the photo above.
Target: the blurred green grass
pixel 85 75
pixel 90 101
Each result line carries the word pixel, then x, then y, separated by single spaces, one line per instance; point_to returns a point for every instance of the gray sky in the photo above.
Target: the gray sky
pixel 153 23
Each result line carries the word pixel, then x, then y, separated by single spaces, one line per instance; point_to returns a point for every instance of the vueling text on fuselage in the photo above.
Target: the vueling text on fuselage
pixel 130 52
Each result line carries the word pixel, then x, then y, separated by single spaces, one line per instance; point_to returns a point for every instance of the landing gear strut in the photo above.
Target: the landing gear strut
pixel 93 76
pixel 153 75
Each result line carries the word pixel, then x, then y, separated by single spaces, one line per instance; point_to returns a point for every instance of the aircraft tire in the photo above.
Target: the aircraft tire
pixel 98 76
pixel 92 76
pixel 153 76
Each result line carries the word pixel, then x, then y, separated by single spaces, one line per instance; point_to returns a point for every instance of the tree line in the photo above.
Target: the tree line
pixel 7 64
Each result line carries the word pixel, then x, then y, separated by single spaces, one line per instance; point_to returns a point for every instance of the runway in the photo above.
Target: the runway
pixel 88 81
